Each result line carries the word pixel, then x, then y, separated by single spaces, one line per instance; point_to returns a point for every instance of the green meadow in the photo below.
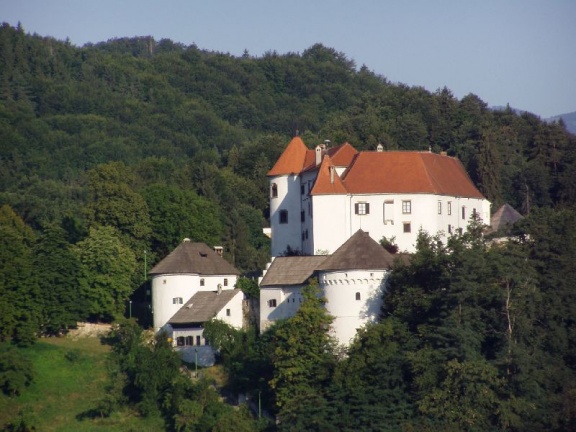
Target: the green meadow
pixel 70 377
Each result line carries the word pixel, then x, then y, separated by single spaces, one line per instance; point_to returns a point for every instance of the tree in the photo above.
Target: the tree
pixel 62 282
pixel 372 386
pixel 112 202
pixel 16 371
pixel 303 358
pixel 109 266
pixel 19 294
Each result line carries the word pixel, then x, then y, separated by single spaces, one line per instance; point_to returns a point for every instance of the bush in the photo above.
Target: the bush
pixel 15 371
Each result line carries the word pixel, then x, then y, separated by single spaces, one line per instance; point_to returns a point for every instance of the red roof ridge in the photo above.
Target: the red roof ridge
pixel 327 181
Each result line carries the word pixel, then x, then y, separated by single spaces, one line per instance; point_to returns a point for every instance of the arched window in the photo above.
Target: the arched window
pixel 283 216
pixel 357 296
pixel 274 190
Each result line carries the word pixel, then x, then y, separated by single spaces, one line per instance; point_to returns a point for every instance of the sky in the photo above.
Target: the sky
pixel 517 52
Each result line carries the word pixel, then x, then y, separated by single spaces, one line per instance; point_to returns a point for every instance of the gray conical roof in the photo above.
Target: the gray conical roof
pixel 359 252
pixel 195 258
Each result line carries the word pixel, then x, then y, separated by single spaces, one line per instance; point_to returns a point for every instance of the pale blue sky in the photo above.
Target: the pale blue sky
pixel 521 52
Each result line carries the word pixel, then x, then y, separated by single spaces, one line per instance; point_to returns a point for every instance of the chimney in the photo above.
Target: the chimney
pixel 331 174
pixel 219 291
pixel 219 250
pixel 379 148
pixel 319 151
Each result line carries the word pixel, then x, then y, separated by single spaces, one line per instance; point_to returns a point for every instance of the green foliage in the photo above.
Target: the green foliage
pixel 249 287
pixel 62 282
pixel 176 214
pixel 19 293
pixel 109 266
pixel 16 371
pixel 303 356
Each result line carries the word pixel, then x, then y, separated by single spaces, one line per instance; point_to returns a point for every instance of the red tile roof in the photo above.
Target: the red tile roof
pixel 408 172
pixel 327 183
pixel 292 160
pixel 342 155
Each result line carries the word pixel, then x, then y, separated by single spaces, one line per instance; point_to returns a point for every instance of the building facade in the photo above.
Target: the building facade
pixel 319 198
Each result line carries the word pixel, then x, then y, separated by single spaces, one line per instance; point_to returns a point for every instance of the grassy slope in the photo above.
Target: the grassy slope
pixel 63 389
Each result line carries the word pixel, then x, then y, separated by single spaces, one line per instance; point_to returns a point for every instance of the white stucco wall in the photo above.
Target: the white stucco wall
pixel 331 223
pixel 335 219
pixel 340 290
pixel 236 317
pixel 167 287
pixel 288 301
pixel 288 234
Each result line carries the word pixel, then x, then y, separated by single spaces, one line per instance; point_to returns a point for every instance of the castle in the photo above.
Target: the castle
pixel 332 205
pixel 319 198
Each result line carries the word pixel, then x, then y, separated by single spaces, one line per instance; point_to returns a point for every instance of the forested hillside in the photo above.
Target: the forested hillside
pixel 112 153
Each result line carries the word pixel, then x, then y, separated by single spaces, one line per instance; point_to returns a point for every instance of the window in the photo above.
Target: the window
pixel 439 207
pixel 406 207
pixel 302 216
pixel 388 215
pixel 164 281
pixel 362 208
pixel 357 296
pixel 272 303
pixel 225 282
pixel 407 227
pixel 177 300
pixel 274 190
pixel 449 229
pixel 306 234
pixel 198 340
pixel 189 340
pixel 227 312
pixel 180 341
pixel 449 207
pixel 283 216
pixel 463 212
pixel 202 282
pixel 302 189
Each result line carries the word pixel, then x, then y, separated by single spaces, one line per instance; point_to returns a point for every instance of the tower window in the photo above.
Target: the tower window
pixel 449 207
pixel 283 216
pixel 274 190
pixel 439 207
pixel 463 212
pixel 302 216
pixel 358 297
pixel 272 303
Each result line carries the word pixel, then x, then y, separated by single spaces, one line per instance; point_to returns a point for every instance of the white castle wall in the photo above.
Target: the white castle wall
pixel 349 311
pixel 166 288
pixel 335 220
pixel 288 198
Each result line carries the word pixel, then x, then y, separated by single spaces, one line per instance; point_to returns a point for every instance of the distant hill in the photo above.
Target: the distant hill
pixel 569 120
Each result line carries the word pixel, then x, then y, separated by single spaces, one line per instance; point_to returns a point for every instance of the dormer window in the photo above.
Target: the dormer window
pixel 274 190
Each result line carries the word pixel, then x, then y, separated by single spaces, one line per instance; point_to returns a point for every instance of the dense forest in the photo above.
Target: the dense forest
pixel 112 153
